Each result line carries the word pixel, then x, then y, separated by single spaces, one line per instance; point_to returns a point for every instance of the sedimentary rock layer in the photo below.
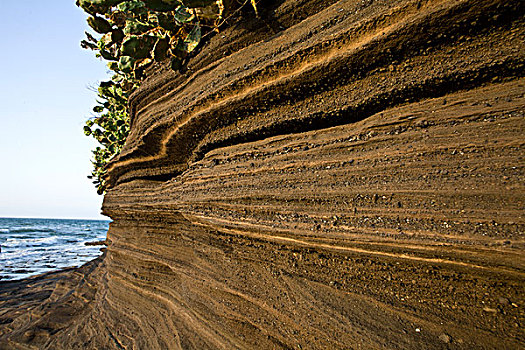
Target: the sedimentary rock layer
pixel 332 175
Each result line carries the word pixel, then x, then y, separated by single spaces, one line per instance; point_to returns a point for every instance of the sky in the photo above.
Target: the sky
pixel 45 97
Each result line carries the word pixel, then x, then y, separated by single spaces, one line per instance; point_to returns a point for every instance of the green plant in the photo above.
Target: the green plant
pixel 110 127
pixel 134 34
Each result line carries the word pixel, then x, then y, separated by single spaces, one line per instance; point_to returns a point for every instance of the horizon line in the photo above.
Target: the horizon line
pixel 54 218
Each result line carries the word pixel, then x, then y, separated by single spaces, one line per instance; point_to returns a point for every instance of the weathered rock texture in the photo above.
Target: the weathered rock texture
pixel 333 175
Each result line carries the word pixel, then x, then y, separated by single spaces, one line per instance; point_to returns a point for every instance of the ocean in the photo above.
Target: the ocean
pixel 33 246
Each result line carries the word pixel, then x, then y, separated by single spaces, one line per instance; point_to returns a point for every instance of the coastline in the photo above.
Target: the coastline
pixel 35 308
pixel 31 246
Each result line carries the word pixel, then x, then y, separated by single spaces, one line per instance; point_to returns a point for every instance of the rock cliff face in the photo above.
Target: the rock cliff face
pixel 332 175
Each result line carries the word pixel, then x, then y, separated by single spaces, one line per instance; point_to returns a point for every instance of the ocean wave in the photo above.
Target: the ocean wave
pixel 18 241
pixel 31 229
pixel 45 245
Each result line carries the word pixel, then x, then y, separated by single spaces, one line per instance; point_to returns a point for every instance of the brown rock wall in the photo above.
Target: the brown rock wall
pixel 332 175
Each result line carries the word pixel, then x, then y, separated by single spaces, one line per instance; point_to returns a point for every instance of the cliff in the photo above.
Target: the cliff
pixel 332 175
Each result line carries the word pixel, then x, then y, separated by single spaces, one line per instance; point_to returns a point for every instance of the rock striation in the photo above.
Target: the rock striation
pixel 332 175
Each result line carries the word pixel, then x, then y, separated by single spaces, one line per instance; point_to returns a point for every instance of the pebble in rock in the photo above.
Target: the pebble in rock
pixel 503 301
pixel 445 338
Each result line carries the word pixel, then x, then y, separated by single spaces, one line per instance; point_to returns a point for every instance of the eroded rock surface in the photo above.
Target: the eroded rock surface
pixel 333 175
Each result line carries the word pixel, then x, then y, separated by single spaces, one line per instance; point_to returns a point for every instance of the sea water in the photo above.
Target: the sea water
pixel 34 246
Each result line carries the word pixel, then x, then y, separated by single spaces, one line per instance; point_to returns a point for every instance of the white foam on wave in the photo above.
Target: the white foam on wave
pixel 16 242
pixel 31 229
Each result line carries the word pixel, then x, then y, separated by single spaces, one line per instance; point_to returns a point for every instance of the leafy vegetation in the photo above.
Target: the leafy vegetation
pixel 132 35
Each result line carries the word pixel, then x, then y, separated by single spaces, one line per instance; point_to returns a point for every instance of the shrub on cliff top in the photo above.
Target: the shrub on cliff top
pixel 132 35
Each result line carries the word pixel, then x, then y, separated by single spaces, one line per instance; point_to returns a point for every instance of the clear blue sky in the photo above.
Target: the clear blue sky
pixel 44 100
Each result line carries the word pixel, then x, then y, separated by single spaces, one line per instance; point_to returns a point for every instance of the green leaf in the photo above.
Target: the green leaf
pixel 87 45
pixel 117 35
pixel 87 130
pixel 138 47
pixel 130 46
pixel 91 8
pixel 118 18
pixel 134 26
pixel 97 133
pixel 183 14
pixel 106 40
pixel 113 66
pixel 162 5
pixel 99 24
pixel 192 39
pixel 98 109
pixel 126 64
pixel 129 6
pixel 107 55
pixel 90 37
pixel 165 21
